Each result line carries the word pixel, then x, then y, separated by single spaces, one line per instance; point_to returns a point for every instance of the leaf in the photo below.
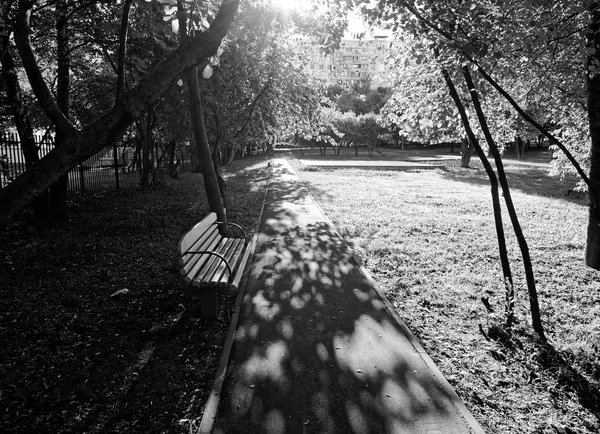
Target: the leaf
pixel 120 292
pixel 208 72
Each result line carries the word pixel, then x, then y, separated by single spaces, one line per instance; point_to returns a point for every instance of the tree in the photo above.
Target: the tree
pixel 83 142
pixel 19 107
pixel 211 183
pixel 437 28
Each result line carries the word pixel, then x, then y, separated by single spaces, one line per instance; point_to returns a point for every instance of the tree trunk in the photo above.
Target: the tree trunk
pixel 121 81
pixel 592 251
pixel 465 153
pixel 502 250
pixel 41 206
pixel 533 297
pixel 211 183
pixel 146 144
pixel 172 166
pixel 110 126
pixel 58 191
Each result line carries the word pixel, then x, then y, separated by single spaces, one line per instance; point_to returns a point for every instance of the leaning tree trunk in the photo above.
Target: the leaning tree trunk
pixel 533 297
pixel 211 183
pixel 502 250
pixel 108 127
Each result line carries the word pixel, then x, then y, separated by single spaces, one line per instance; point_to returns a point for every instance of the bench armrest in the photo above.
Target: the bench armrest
pixel 235 225
pixel 221 257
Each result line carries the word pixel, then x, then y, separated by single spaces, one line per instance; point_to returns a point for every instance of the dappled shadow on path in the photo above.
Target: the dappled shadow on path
pixel 317 350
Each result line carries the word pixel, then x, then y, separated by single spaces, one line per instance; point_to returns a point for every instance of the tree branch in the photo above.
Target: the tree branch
pixel 122 50
pixel 109 127
pixel 42 93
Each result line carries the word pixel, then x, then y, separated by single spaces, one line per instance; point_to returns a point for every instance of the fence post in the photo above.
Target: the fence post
pixel 116 161
pixel 81 179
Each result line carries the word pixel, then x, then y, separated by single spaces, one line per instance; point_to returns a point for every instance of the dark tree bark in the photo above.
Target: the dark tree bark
pixel 465 152
pixel 592 251
pixel 41 206
pixel 211 183
pixel 502 250
pixel 146 144
pixel 209 174
pixel 533 297
pixel 172 165
pixel 58 191
pixel 34 73
pixel 91 139
pixel 122 50
pixel 217 154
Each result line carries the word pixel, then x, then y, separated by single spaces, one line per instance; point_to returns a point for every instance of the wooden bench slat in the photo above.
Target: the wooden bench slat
pixel 221 263
pixel 220 275
pixel 235 255
pixel 207 272
pixel 190 237
pixel 201 261
pixel 201 243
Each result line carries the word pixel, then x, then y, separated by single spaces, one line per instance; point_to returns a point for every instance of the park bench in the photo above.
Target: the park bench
pixel 211 261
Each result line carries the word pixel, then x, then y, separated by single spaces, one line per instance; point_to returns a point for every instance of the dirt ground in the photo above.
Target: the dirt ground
pixel 99 333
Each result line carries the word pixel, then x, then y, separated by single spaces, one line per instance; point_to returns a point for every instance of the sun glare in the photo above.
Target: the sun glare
pixel 287 4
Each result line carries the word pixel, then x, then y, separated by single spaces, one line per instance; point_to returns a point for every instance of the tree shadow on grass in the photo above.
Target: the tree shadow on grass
pixel 527 179
pixel 569 378
pixel 317 349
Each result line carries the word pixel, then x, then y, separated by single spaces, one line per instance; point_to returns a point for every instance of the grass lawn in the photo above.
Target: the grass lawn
pixel 76 359
pixel 428 238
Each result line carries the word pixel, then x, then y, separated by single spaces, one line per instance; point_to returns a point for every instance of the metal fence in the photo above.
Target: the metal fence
pixel 105 171
pixel 96 174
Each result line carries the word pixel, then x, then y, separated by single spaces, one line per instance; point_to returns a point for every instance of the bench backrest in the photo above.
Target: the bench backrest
pixel 204 236
pixel 192 236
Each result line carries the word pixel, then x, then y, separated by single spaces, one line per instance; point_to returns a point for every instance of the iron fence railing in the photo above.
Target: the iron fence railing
pixel 105 171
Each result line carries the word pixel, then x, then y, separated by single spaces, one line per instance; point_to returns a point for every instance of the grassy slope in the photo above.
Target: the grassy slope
pixel 75 359
pixel 429 240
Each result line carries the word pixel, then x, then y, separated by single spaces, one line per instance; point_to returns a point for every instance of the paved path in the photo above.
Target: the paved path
pixel 317 349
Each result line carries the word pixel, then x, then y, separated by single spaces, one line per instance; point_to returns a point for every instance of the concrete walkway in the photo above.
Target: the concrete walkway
pixel 318 349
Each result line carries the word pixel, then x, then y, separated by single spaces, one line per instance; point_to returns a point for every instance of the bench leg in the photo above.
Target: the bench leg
pixel 208 303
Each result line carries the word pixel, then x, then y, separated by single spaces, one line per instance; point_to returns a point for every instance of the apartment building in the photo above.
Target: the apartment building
pixel 359 59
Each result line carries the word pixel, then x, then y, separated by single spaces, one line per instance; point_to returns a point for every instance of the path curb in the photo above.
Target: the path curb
pixel 212 404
